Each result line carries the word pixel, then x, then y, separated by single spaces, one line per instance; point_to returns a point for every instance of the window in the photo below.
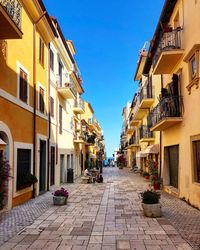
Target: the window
pixel 51 60
pixel 72 123
pixel 72 161
pixel 60 69
pixel 192 59
pixel 23 167
pixel 41 100
pixel 23 86
pixel 193 67
pixel 60 119
pixel 196 160
pixel 41 52
pixel 52 106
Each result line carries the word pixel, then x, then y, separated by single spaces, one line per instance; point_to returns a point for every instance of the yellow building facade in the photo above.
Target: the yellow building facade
pixel 174 57
pixel 24 94
pixel 141 143
pixel 41 107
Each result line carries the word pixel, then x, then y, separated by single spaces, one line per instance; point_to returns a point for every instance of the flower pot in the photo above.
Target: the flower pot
pixel 59 200
pixel 147 177
pixel 156 186
pixel 152 210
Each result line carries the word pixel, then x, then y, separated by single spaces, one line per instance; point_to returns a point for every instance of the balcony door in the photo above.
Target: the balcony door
pixel 173 156
pixel 52 170
pixel 42 166
pixel 62 168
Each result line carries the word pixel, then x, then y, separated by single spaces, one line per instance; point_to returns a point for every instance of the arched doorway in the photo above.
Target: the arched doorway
pixel 6 137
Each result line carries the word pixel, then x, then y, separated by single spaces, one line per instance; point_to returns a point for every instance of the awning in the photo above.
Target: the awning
pixel 153 149
pixel 2 142
pixel 141 154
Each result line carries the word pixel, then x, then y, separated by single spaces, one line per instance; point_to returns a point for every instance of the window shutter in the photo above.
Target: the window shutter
pixel 23 86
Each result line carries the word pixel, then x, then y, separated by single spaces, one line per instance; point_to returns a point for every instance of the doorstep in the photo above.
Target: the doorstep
pixel 171 190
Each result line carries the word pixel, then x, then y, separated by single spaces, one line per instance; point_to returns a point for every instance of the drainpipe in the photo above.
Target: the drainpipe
pixel 161 136
pixel 34 96
pixel 49 122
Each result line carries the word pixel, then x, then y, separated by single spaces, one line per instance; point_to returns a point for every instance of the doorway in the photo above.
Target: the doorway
pixel 52 170
pixel 42 178
pixel 62 168
pixel 173 160
pixel 82 162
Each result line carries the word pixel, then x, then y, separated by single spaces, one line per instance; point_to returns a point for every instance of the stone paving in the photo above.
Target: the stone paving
pixel 98 216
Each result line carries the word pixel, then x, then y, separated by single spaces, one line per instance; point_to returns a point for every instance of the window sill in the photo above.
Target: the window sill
pixel 192 83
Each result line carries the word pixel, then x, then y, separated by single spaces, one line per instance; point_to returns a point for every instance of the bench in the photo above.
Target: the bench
pixel 85 179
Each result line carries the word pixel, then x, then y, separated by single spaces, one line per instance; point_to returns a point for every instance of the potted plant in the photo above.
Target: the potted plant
pixel 60 197
pixel 156 182
pixel 4 177
pixel 26 180
pixel 150 203
pixel 146 175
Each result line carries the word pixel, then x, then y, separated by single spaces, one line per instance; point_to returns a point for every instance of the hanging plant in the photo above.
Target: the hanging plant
pixel 4 177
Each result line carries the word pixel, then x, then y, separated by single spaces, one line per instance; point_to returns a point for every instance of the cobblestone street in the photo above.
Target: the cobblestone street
pixel 101 216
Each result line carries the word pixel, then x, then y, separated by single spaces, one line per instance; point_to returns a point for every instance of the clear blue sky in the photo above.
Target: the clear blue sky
pixel 107 36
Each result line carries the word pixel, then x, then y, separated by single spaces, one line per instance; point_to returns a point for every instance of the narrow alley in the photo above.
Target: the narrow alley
pixel 101 216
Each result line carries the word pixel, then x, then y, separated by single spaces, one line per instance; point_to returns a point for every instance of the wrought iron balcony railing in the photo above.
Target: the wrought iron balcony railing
pixel 170 106
pixel 168 41
pixel 146 92
pixel 133 140
pixel 79 104
pixel 14 10
pixel 90 138
pixel 144 132
pixel 92 121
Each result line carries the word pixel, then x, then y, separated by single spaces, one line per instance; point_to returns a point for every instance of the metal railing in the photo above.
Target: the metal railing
pixel 146 92
pixel 90 138
pixel 170 106
pixel 14 10
pixel 79 104
pixel 92 121
pixel 133 140
pixel 144 132
pixel 168 41
pixel 136 104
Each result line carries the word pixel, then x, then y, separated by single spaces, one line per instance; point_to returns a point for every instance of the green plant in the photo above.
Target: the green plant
pixel 145 174
pixel 26 180
pixel 4 177
pixel 155 179
pixel 153 167
pixel 150 197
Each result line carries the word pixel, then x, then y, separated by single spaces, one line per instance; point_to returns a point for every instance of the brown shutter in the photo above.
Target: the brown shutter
pixel 60 119
pixel 41 100
pixel 23 86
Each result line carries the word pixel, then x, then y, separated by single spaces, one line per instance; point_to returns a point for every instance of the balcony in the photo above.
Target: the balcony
pixel 132 121
pixel 66 88
pixel 146 96
pixel 146 135
pixel 92 122
pixel 130 130
pixel 139 112
pixel 10 16
pixel 169 52
pixel 79 107
pixel 90 139
pixel 79 139
pixel 167 113
pixel 133 142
